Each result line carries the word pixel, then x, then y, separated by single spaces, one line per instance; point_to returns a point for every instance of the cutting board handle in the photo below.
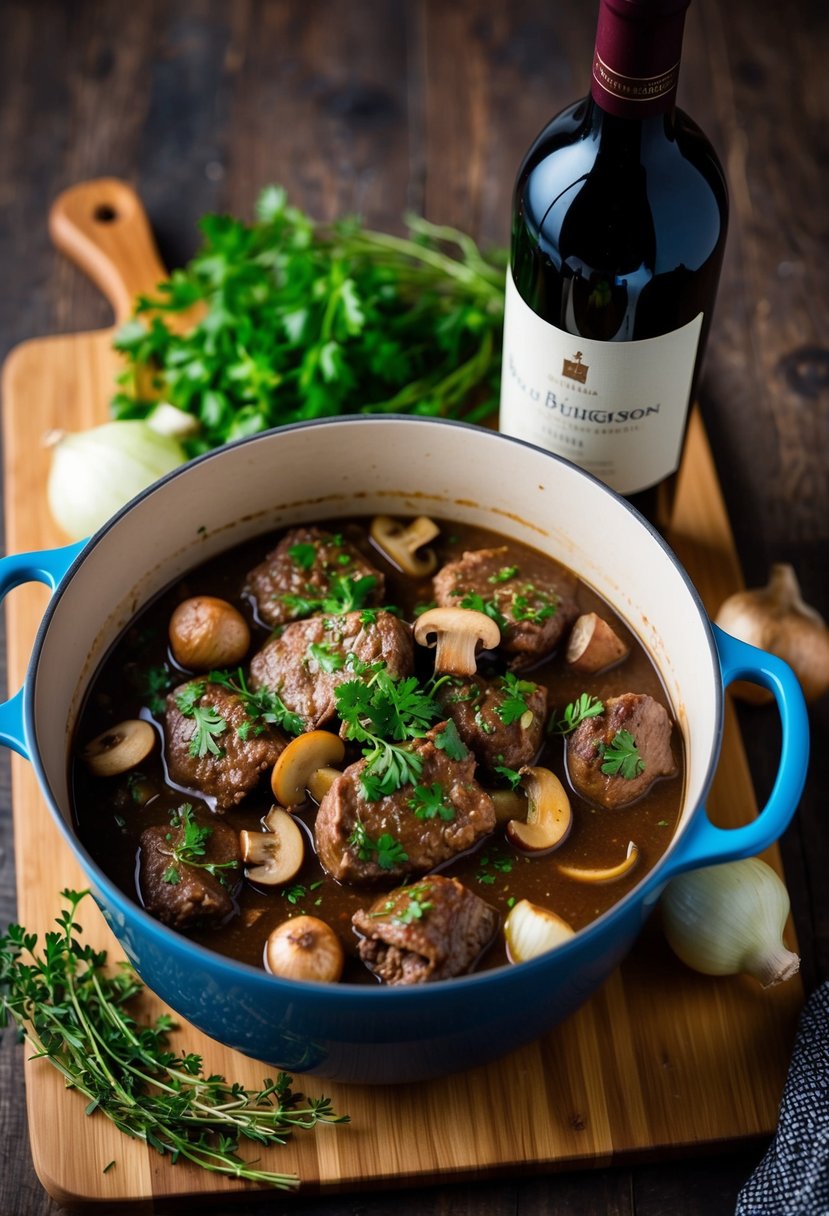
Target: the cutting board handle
pixel 103 228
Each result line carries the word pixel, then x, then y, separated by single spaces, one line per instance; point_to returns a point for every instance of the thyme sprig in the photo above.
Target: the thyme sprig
pixel 73 1011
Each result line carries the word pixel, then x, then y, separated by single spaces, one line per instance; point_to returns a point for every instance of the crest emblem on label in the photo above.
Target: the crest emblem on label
pixel 574 369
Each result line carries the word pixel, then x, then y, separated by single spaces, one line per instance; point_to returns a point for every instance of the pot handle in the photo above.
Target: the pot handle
pixel 706 844
pixel 45 566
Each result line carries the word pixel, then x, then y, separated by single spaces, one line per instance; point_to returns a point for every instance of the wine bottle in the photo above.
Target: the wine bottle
pixel 619 220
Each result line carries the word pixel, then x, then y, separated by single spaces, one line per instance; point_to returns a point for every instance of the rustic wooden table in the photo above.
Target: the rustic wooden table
pixel 377 106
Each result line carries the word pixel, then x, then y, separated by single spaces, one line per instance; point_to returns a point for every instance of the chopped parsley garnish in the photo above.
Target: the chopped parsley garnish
pixel 346 594
pixel 524 610
pixel 489 862
pixel 153 684
pixel 448 740
pixel 261 704
pixel 384 713
pixel 429 802
pixel 503 575
pixel 621 756
pixel 303 555
pixel 415 908
pixel 584 707
pixel 190 847
pixel 478 604
pixel 385 850
pixel 298 891
pixel 208 722
pixel 514 705
pixel 327 659
pixel 511 775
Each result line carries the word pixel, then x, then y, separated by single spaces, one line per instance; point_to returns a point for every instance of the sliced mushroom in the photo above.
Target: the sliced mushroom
pixel 119 748
pixel 321 780
pixel 509 804
pixel 304 948
pixel 297 765
pixel 400 543
pixel 609 874
pixel 207 632
pixel 549 817
pixel 530 930
pixel 457 634
pixel 593 645
pixel 277 854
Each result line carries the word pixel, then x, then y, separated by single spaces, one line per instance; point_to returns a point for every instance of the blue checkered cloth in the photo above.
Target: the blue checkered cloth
pixel 793 1177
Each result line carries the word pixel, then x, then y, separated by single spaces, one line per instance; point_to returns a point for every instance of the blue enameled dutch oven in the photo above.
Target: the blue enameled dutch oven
pixel 398 466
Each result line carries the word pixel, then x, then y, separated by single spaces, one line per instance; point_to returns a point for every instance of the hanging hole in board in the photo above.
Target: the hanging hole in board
pixel 104 213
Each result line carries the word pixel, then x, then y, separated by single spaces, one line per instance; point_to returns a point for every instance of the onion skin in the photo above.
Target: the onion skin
pixel 95 472
pixel 729 919
pixel 776 619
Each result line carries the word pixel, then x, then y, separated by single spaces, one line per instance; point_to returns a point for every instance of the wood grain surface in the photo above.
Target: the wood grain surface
pixel 379 106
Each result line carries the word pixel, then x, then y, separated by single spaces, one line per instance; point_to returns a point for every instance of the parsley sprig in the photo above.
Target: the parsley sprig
pixel 429 802
pixel 261 704
pixel 345 594
pixel 513 706
pixel 620 757
pixel 208 723
pixel 187 846
pixel 74 1011
pixel 303 321
pixel 585 706
pixel 386 713
pixel 386 850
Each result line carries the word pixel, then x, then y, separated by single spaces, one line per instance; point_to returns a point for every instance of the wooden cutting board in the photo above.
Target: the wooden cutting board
pixel 660 1060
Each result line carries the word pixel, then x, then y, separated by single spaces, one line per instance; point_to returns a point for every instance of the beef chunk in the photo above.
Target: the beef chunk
pixel 306 662
pixel 432 930
pixel 183 895
pixel 534 609
pixel 648 724
pixel 225 759
pixel 308 565
pixel 410 831
pixel 501 720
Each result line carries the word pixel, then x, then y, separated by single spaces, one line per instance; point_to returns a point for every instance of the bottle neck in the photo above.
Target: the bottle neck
pixel 636 60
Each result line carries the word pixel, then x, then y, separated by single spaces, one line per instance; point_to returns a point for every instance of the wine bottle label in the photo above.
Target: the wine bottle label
pixel 617 409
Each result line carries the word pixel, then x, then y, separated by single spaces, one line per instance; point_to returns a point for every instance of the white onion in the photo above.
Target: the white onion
pixel 531 930
pixel 727 919
pixel 95 472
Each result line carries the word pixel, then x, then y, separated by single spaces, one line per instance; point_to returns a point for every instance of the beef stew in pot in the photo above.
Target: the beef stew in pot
pixel 338 735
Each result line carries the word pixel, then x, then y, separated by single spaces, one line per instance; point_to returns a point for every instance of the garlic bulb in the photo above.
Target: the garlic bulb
pixel 776 619
pixel 727 919
pixel 94 472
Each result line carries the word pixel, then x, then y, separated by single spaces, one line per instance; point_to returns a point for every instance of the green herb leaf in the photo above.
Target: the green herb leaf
pixel 429 802
pixel 583 707
pixel 208 722
pixel 448 740
pixel 302 321
pixel 191 846
pixel 73 1008
pixel 386 851
pixel 621 756
pixel 346 594
pixel 326 658
pixel 261 704
pixel 514 704
pixel 304 555
pixel 384 712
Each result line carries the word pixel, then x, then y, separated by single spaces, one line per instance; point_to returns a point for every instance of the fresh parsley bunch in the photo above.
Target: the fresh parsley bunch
pixel 294 321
